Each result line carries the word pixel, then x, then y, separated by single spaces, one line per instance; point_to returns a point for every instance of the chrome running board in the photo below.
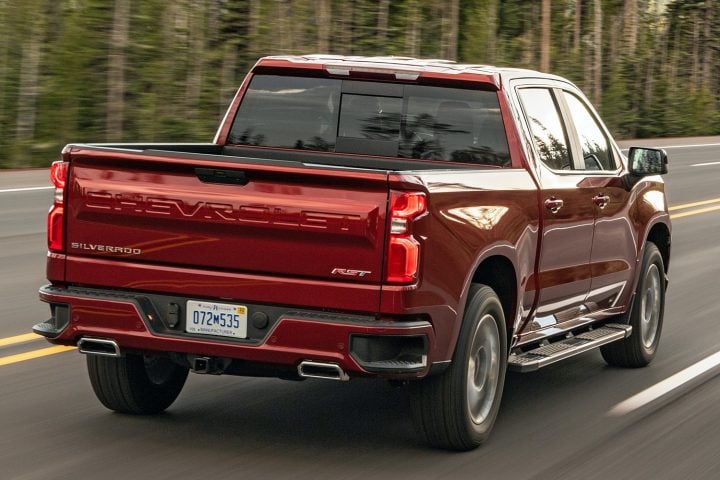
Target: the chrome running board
pixel 567 347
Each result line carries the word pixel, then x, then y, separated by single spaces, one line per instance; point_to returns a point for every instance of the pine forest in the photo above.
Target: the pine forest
pixel 157 71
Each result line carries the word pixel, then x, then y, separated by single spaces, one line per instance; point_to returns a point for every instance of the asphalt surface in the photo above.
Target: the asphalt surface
pixel 554 423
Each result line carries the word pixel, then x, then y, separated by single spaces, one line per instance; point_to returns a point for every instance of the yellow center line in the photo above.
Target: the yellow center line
pixel 26 337
pixel 694 204
pixel 43 352
pixel 695 212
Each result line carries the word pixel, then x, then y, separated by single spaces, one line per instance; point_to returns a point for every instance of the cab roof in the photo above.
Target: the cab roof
pixel 403 67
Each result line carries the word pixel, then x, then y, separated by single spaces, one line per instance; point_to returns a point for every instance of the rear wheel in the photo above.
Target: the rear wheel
pixel 138 384
pixel 457 409
pixel 645 316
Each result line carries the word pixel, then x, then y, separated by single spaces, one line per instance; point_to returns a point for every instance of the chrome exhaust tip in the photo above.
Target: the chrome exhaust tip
pixel 98 346
pixel 327 371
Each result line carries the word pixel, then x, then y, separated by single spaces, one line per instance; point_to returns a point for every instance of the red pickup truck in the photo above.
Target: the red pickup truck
pixel 421 221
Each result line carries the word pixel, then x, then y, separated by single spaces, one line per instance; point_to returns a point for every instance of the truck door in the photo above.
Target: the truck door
pixel 613 247
pixel 564 272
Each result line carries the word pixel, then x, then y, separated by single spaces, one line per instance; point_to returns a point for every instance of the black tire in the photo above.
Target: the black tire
pixel 645 316
pixel 136 384
pixel 442 405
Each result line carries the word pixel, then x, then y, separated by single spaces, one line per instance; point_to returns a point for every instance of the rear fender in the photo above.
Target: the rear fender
pixel 512 318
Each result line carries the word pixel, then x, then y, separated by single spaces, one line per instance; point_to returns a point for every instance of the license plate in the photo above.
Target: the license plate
pixel 220 319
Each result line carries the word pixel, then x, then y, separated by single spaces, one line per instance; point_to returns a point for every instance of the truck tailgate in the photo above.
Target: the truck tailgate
pixel 240 216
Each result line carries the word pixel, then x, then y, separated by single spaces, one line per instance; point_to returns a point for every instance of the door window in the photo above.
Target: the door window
pixel 546 127
pixel 596 151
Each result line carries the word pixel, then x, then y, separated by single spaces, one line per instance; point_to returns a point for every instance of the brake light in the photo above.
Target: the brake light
pixel 56 216
pixel 403 255
pixel 346 70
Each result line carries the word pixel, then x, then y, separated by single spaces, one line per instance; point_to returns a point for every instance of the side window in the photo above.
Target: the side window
pixel 596 151
pixel 546 127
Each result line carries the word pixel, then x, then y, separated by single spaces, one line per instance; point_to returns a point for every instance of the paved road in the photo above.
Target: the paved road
pixel 554 424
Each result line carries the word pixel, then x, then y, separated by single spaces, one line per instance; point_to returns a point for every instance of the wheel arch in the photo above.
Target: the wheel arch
pixel 498 273
pixel 496 269
pixel 659 234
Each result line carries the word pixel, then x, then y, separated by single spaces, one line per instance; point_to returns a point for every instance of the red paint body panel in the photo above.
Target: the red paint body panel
pixel 472 216
pixel 564 271
pixel 291 341
pixel 207 283
pixel 297 225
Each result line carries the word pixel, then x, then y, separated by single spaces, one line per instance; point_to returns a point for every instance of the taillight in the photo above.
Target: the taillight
pixel 403 255
pixel 55 220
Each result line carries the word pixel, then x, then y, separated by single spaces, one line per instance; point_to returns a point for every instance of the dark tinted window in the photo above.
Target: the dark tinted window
pixel 288 112
pixel 454 124
pixel 596 151
pixel 434 123
pixel 368 116
pixel 546 127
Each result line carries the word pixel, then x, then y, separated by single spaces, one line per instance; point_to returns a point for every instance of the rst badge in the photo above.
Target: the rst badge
pixel 346 272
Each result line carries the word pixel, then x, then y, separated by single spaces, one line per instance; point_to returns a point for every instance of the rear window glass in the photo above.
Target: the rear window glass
pixel 410 121
pixel 288 112
pixel 370 116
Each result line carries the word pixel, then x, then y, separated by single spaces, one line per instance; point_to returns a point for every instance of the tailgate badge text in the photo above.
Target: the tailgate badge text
pixel 346 272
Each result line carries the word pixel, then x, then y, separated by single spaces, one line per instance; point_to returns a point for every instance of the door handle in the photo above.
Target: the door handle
pixel 553 204
pixel 215 175
pixel 601 200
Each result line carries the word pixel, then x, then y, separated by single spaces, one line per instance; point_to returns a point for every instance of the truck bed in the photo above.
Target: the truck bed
pixel 280 157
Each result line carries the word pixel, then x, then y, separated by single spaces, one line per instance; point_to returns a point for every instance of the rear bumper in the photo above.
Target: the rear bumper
pixel 360 345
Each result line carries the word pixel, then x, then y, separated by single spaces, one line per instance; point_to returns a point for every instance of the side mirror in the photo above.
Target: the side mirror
pixel 647 161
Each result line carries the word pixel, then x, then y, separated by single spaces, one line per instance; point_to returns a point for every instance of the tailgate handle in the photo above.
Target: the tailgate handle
pixel 214 175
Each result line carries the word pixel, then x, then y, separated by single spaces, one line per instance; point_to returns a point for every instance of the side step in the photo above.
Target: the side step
pixel 554 352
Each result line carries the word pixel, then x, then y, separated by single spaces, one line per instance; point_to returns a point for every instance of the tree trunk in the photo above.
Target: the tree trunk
pixel 346 25
pixel 530 36
pixel 29 80
pixel 615 50
pixel 630 27
pixel 491 33
pixel 227 76
pixel 695 71
pixel 545 37
pixel 196 59
pixel 323 26
pixel 412 29
pixel 4 41
pixel 166 80
pixel 710 45
pixel 255 45
pixel 597 56
pixel 282 17
pixel 213 22
pixel 382 23
pixel 449 22
pixel 658 56
pixel 116 72
pixel 577 25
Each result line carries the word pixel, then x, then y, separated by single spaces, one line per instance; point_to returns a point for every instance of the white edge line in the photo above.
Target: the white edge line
pixel 25 189
pixel 663 388
pixel 697 145
pixel 692 146
pixel 705 164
